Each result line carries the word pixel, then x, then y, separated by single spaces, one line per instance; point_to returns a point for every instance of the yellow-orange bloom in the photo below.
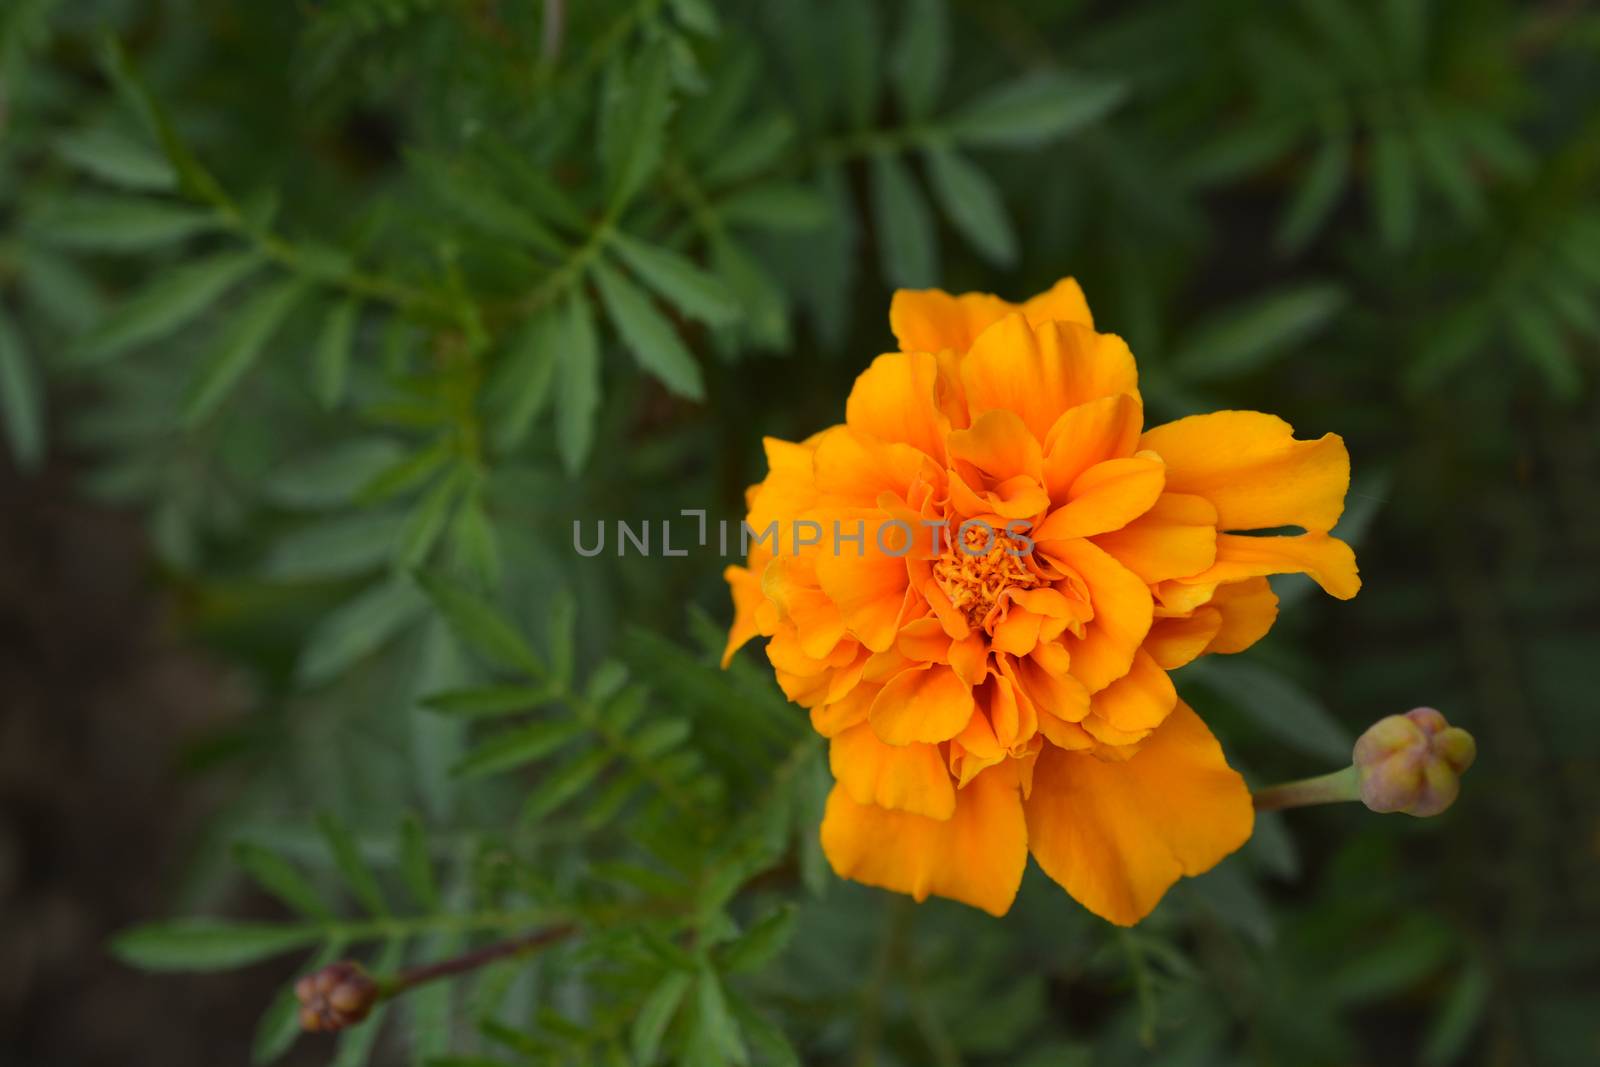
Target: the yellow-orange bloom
pixel 1003 689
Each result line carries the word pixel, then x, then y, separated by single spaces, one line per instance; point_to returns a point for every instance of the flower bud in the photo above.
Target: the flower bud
pixel 1413 762
pixel 338 996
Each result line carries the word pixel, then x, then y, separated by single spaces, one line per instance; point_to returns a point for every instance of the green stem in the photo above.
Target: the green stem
pixel 1334 788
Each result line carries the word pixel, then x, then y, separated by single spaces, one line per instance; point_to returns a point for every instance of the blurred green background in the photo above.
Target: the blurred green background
pixel 322 321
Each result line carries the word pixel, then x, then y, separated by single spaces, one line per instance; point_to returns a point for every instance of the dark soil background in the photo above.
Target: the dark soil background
pixel 97 700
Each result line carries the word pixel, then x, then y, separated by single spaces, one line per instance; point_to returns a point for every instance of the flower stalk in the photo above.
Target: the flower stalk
pixel 1332 788
pixel 1410 763
pixel 342 994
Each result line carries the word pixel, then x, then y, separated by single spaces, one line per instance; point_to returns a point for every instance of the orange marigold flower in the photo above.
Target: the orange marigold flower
pixel 1003 689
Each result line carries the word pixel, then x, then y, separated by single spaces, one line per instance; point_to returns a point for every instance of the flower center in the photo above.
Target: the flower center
pixel 973 577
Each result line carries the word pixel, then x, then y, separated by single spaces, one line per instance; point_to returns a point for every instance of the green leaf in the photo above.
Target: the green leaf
pixel 330 477
pixel 769 1042
pixel 1394 188
pixel 407 473
pixel 480 626
pixel 122 224
pixel 1318 193
pixel 427 520
pixel 561 638
pixel 1459 1018
pixel 766 315
pixel 1246 339
pixel 1447 344
pixel 192 177
pixel 579 383
pixel 356 629
pixel 208 944
pixel 242 344
pixel 695 292
pixel 1249 147
pixel 921 56
pixel 61 287
pixel 515 748
pixel 698 16
pixel 1035 109
pixel 1452 171
pixel 1283 709
pixel 715 1026
pixel 648 335
pixel 1539 340
pixel 753 149
pixel 475 543
pixel 330 362
pixel 655 1015
pixel 416 867
pixel 973 204
pixel 521 383
pixel 21 398
pixel 906 237
pixel 118 159
pixel 467 194
pixel 762 943
pixel 491 700
pixel 352 868
pixel 775 206
pixel 859 57
pixel 636 107
pixel 173 299
pixel 274 874
pixel 562 784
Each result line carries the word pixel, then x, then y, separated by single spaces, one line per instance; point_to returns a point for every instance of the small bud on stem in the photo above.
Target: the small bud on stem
pixel 338 996
pixel 1411 763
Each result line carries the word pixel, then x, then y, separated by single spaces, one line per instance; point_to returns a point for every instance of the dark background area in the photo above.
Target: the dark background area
pixel 1390 232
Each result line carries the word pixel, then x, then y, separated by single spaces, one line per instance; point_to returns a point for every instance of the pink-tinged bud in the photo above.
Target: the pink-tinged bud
pixel 338 996
pixel 1413 762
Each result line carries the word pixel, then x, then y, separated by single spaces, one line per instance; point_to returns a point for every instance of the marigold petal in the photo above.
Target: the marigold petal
pixel 1176 641
pixel 1177 537
pixel 1062 302
pixel 1251 467
pixel 1247 609
pixel 1041 371
pixel 1017 633
pixel 789 487
pixel 923 641
pixel 790 584
pixel 1116 835
pixel 1137 702
pixel 869 589
pixel 910 778
pixel 833 718
pixel 895 400
pixel 1123 611
pixel 1327 560
pixel 974 749
pixel 926 703
pixel 929 320
pixel 976 856
pixel 1107 428
pixel 1052 691
pixel 854 468
pixel 999 444
pixel 744 583
pixel 1106 497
